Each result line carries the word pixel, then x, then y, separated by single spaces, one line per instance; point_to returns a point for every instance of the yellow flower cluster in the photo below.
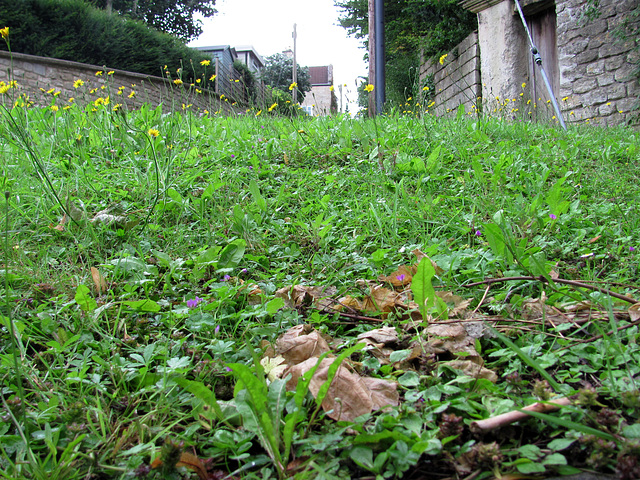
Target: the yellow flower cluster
pixel 368 88
pixel 4 32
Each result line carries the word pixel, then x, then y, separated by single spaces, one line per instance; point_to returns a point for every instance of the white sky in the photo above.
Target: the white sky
pixel 267 25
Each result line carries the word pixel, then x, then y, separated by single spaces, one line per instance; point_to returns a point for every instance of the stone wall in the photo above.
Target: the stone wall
pixel 322 99
pixel 456 81
pixel 597 83
pixel 49 81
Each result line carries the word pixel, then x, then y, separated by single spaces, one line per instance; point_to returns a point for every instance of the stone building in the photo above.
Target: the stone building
pixel 321 100
pixel 590 66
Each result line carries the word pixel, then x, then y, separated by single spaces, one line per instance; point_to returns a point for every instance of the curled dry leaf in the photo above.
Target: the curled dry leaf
pixel 300 343
pixel 273 367
pixel 349 395
pixel 382 335
pixel 305 296
pixel 99 281
pixel 450 338
pixel 634 312
pixel 380 299
pixel 60 226
pixel 472 369
pixel 537 309
pixel 419 256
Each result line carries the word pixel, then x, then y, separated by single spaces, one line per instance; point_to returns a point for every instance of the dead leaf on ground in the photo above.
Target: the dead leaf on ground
pixel 300 343
pixel 304 296
pixel 634 312
pixel 380 299
pixel 60 226
pixel 382 335
pixel 450 338
pixel 537 309
pixel 472 369
pixel 349 395
pixel 99 281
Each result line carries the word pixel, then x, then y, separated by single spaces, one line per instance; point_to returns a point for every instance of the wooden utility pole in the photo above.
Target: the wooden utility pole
pixel 295 67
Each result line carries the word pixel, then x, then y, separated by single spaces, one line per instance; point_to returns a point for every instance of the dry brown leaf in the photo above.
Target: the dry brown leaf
pixel 60 226
pixel 300 343
pixel 459 304
pixel 419 256
pixel 304 296
pixel 99 281
pixel 537 309
pixel 380 299
pixel 472 369
pixel 382 335
pixel 349 395
pixel 401 277
pixel 452 338
pixel 634 312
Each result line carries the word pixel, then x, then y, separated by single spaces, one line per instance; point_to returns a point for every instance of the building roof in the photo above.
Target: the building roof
pixel 250 48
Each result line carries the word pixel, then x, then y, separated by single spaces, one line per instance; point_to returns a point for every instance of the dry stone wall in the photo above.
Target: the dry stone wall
pixel 48 81
pixel 597 81
pixel 456 81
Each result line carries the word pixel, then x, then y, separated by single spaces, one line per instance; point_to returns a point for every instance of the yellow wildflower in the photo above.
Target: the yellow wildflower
pixel 153 132
pixel 259 112
pixel 4 89
pixel 443 58
pixel 565 99
pixel 71 100
pixel 293 85
pixel 116 107
pixel 524 85
pixel 4 32
pixel 212 78
pixel 273 106
pixel 205 62
pixel 369 88
pixel 99 73
pixel 198 80
pixel 177 81
pixel 110 72
pixel 78 83
pixel 425 89
pixel 54 108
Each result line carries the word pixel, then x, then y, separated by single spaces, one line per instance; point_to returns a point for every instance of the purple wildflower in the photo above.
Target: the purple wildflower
pixel 226 278
pixel 228 369
pixel 478 233
pixel 552 216
pixel 217 330
pixel 244 270
pixel 193 303
pixel 632 249
pixel 401 277
pixel 233 156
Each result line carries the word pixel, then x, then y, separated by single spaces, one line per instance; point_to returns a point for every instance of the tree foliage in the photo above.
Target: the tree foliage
pixel 278 73
pixel 176 17
pixel 435 26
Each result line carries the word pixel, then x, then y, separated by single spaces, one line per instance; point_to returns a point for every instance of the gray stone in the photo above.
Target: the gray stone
pixel 576 46
pixel 607 109
pixel 624 73
pixel 605 79
pixel 587 56
pixel 584 85
pixel 617 91
pixel 613 63
pixel 594 97
pixel 586 476
pixel 594 28
pixel 595 68
pixel 615 48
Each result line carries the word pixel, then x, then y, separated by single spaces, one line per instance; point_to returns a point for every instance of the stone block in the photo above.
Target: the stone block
pixel 595 68
pixel 605 79
pixel 594 97
pixel 607 109
pixel 597 27
pixel 615 48
pixel 597 41
pixel 584 85
pixel 576 46
pixel 616 91
pixel 624 73
pixel 587 56
pixel 613 63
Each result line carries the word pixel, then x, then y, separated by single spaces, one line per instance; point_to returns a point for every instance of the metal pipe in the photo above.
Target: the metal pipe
pixel 379 57
pixel 538 60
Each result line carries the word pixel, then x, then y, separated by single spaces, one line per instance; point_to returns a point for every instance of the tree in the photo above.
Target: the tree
pixel 170 16
pixel 278 73
pixel 435 26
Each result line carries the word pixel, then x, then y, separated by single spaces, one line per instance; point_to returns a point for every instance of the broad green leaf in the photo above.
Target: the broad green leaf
pixel 257 196
pixel 631 431
pixel 274 305
pixel 555 459
pixel 530 467
pixel 84 299
pixel 231 255
pixel 560 444
pixel 399 355
pixel 362 456
pixel 423 292
pixel 409 379
pixel 145 305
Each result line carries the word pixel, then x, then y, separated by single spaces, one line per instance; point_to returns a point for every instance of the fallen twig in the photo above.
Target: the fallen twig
pixel 508 418
pixel 541 278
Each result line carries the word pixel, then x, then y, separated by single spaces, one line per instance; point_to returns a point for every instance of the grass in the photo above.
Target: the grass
pixel 140 275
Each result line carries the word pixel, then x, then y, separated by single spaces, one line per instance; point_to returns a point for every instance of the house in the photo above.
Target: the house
pixel 590 69
pixel 252 59
pixel 321 100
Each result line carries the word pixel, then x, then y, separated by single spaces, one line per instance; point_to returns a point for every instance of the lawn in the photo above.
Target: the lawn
pixel 256 296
